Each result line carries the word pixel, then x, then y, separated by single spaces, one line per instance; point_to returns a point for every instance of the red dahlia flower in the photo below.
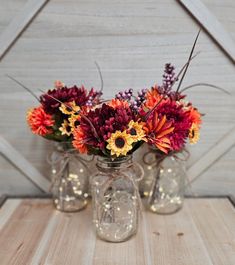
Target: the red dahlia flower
pixel 98 125
pixel 179 117
pixel 67 94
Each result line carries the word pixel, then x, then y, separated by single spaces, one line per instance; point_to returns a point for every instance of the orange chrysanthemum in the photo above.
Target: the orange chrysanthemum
pixel 118 103
pixel 39 121
pixel 152 98
pixel 157 132
pixel 79 140
pixel 195 116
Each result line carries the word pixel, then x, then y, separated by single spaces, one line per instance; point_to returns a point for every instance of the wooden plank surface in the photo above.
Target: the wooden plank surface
pixel 33 232
pixel 18 24
pixel 212 25
pixel 23 165
pixel 218 150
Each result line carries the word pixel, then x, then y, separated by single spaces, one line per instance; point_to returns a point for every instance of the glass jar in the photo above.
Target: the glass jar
pixel 163 185
pixel 115 198
pixel 70 178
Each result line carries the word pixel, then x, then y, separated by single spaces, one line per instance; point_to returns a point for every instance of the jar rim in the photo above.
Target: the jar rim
pixel 118 160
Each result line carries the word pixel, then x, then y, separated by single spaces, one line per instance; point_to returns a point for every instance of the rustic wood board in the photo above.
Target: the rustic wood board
pixel 33 232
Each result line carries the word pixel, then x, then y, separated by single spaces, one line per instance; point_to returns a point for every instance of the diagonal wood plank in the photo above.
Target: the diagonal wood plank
pixel 19 24
pixel 212 25
pixel 218 150
pixel 8 151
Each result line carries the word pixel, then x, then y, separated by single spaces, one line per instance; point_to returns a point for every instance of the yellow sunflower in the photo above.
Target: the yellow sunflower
pixel 194 134
pixel 69 108
pixel 120 143
pixel 74 121
pixel 135 129
pixel 65 128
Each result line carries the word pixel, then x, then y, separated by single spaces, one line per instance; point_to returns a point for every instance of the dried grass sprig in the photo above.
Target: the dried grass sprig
pixel 205 84
pixel 189 60
pixel 101 77
pixel 22 85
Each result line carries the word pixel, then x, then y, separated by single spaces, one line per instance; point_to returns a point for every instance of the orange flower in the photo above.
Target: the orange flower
pixel 118 103
pixel 157 132
pixel 79 140
pixel 195 116
pixel 58 84
pixel 152 98
pixel 39 121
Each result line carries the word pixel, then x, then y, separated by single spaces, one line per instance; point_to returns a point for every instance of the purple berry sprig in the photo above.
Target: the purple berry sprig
pixel 125 95
pixel 137 103
pixel 168 77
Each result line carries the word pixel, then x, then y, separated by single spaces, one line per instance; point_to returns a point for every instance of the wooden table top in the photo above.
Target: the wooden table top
pixel 33 232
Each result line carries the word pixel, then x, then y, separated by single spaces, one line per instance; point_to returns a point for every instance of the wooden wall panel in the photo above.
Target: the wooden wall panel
pixel 14 182
pixel 9 9
pixel 131 40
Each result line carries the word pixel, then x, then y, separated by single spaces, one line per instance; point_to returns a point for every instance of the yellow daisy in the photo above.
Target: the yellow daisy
pixel 65 128
pixel 194 134
pixel 69 108
pixel 74 121
pixel 135 129
pixel 120 143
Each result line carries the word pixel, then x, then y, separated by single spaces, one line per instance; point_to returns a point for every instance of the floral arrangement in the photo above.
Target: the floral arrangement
pixel 111 129
pixel 60 111
pixel 173 120
pixel 160 116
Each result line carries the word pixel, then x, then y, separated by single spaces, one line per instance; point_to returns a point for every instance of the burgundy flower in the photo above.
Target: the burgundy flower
pixel 67 94
pixel 180 121
pixel 99 124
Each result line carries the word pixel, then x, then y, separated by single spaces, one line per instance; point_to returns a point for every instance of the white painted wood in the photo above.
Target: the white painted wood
pixel 219 149
pixel 19 23
pixel 23 165
pixel 131 40
pixel 13 182
pixel 212 25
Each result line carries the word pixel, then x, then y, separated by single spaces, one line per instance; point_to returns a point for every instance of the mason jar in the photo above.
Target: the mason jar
pixel 70 178
pixel 115 197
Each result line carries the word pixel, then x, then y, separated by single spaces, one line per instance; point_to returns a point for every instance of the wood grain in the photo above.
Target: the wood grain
pixel 217 237
pixel 18 24
pixel 23 165
pixel 212 25
pixel 20 235
pixel 7 210
pixel 218 150
pixel 35 233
